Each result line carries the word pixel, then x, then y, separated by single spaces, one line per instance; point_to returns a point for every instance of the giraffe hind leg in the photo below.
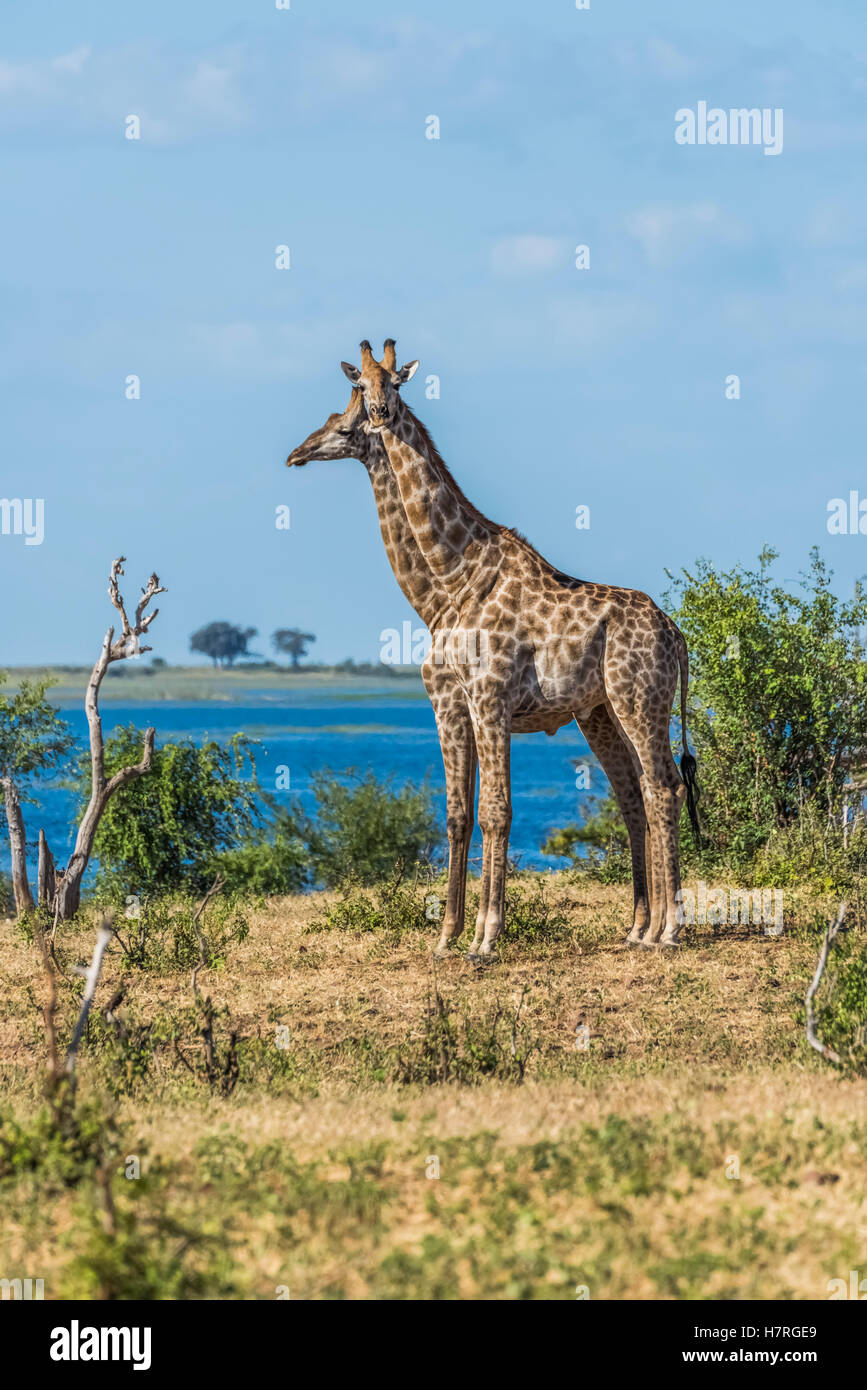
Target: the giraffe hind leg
pixel 617 760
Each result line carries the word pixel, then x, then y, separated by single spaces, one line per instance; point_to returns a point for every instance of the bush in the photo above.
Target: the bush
pixel 599 847
pixel 164 832
pixel 458 1048
pixel 166 936
pixel 267 865
pixel 779 687
pixel 394 909
pixel 7 896
pixel 63 1146
pixel 841 1015
pixel 362 830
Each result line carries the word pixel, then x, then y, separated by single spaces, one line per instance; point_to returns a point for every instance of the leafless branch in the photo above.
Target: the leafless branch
pixel 833 927
pixel 49 1008
pixel 103 938
pixel 216 887
pixel 68 889
pixel 128 642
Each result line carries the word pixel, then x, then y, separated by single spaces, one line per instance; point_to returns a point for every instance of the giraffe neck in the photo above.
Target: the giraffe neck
pixel 421 588
pixel 460 547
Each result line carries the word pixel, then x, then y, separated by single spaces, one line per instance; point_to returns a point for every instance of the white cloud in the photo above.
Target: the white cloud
pixel 668 61
pixel 657 56
pixel 666 231
pixel 175 95
pixel 852 278
pixel 73 62
pixel 527 255
pixel 44 78
pixel 831 224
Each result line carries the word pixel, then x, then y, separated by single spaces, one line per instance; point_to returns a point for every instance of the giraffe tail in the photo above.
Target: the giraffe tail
pixel 688 764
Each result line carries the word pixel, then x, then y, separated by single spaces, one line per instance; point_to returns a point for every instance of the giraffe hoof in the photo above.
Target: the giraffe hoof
pixel 487 958
pixel 670 945
pixel 632 942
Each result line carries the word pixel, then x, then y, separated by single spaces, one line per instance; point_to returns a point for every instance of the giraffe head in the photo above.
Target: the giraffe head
pixel 379 381
pixel 341 437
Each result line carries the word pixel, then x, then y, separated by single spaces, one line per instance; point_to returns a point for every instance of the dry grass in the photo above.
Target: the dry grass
pixel 610 1168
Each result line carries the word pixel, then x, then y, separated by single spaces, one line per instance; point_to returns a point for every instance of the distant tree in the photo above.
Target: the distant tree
pixel 33 739
pixel 222 642
pixel 292 642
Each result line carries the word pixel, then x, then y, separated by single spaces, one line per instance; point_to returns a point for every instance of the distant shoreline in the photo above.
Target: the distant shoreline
pixel 132 682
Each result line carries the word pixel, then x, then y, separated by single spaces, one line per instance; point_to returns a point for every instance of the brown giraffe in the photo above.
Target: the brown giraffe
pixel 342 436
pixel 555 648
pixel 345 435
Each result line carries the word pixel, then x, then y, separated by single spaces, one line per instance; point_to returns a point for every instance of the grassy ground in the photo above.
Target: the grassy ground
pixel 580 1117
pixel 133 681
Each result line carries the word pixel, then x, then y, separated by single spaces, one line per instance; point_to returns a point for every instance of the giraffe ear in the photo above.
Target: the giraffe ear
pixel 406 373
pixel 351 372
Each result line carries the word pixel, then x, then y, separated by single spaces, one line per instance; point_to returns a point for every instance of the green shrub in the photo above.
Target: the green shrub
pixel 542 912
pixel 394 909
pixel 165 936
pixel 778 689
pixel 131 1245
pixel 454 1047
pixel 7 897
pixel 270 864
pixel 363 829
pixel 125 1047
pixel 62 1146
pixel 841 1012
pixel 164 832
pixel 600 847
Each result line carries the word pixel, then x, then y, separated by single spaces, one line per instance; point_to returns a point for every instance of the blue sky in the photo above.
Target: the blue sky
pixel 559 387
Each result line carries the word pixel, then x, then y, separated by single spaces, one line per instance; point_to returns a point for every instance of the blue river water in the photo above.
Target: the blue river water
pixel 308 730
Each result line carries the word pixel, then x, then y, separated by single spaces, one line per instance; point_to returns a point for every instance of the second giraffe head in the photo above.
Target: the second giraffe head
pixel 379 381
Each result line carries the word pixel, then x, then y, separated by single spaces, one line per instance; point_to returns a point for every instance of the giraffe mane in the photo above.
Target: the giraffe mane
pixel 442 467
pixel 518 537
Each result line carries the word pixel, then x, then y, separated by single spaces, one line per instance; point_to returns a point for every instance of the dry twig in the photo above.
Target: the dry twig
pixel 833 927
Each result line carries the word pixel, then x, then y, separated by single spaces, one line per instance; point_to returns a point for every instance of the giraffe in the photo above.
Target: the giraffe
pixel 344 435
pixel 557 649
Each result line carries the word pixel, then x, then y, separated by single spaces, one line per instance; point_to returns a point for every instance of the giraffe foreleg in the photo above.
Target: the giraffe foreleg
pixel 459 760
pixel 484 893
pixel 495 818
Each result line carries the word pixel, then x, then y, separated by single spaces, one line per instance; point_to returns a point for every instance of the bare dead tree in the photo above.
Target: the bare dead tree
pixel 833 927
pixel 18 847
pixel 67 893
pixel 45 877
